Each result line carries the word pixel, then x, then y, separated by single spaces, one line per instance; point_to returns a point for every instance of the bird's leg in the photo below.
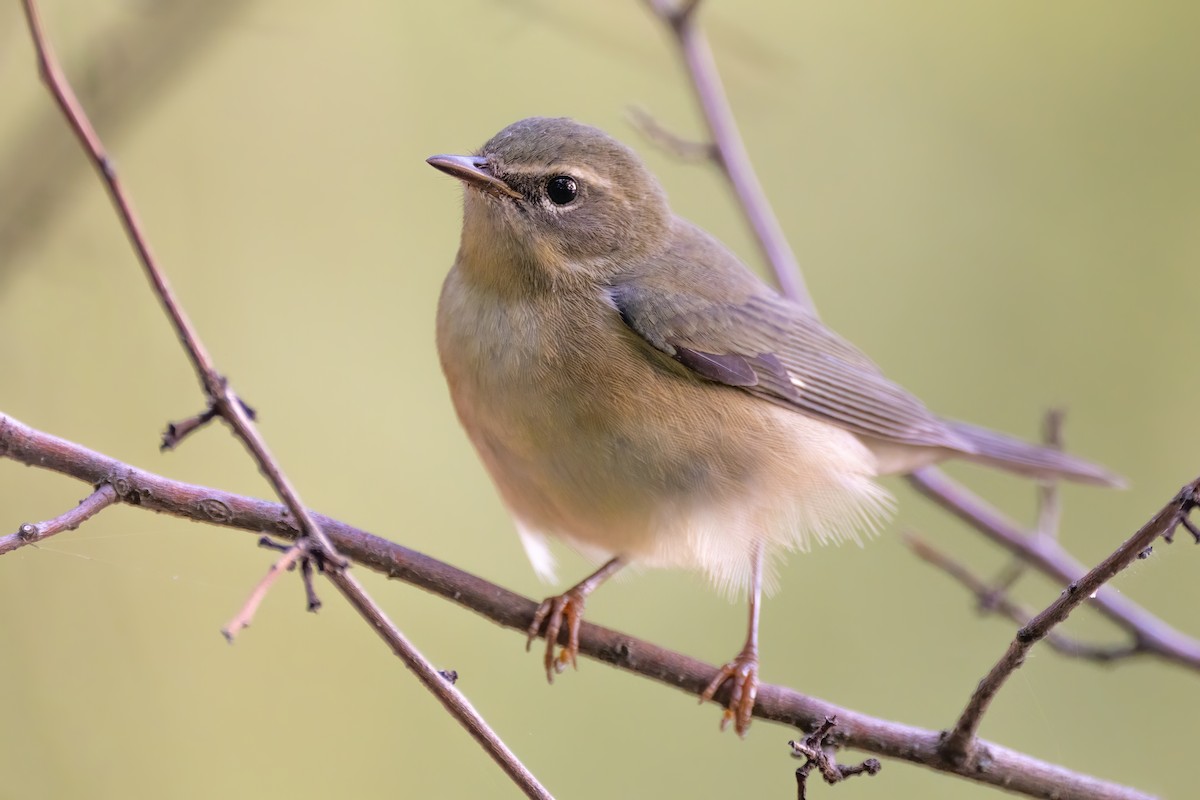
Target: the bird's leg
pixel 567 607
pixel 742 671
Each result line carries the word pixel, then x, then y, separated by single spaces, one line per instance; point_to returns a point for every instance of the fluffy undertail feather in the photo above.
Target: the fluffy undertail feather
pixel 1006 452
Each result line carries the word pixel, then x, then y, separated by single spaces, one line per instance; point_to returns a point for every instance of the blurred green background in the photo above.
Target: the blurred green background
pixel 996 200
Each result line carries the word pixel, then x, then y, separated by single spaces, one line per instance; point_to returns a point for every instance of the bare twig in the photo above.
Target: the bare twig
pixel 1041 552
pixel 220 395
pixel 128 65
pixel 731 155
pixel 444 690
pixel 1049 515
pixel 1049 557
pixel 818 753
pixel 88 507
pixel 226 403
pixel 1005 768
pixel 989 599
pixel 681 148
pixel 245 614
pixel 176 432
pixel 958 743
pixel 1049 509
pixel 994 597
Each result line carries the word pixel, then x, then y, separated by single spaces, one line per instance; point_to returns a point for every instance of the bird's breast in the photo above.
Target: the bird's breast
pixel 570 411
pixel 593 436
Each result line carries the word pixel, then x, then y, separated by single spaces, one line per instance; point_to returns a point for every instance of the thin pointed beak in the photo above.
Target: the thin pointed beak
pixel 473 171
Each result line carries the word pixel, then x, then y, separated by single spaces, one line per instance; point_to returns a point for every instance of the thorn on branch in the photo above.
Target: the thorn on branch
pixel 449 675
pixel 1186 501
pixel 306 560
pixel 267 543
pixel 176 432
pixel 818 752
pixel 249 409
pixel 312 601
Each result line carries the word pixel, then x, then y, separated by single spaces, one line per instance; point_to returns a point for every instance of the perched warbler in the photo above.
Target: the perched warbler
pixel 635 391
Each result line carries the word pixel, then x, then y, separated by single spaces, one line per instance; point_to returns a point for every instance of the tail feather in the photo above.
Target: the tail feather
pixel 1010 453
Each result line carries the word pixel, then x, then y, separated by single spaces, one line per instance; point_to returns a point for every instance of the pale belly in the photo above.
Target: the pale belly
pixel 591 439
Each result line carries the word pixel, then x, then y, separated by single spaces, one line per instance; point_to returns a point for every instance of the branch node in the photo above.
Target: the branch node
pixel 30 532
pixel 267 543
pixel 1185 502
pixel 176 432
pixel 818 752
pixel 311 600
pixel 676 13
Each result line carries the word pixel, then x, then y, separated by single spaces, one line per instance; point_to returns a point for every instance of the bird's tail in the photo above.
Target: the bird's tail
pixel 1006 452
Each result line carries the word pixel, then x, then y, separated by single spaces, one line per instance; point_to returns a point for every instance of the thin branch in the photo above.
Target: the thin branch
pixel 1042 552
pixel 676 145
pixel 1004 768
pixel 1049 517
pixel 989 599
pixel 176 432
pixel 993 597
pixel 958 742
pixel 439 685
pixel 88 507
pixel 245 615
pixel 128 65
pixel 680 18
pixel 1049 557
pixel 1049 506
pixel 222 398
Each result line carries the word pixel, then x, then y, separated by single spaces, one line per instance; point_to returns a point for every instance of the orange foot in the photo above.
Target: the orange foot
pixel 566 607
pixel 742 674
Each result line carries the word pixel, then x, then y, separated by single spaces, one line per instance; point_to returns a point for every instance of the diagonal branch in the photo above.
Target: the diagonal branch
pixel 1005 768
pixel 727 147
pixel 1044 553
pixel 1049 556
pixel 958 742
pixel 217 389
pixel 245 615
pixel 128 65
pixel 226 403
pixel 989 599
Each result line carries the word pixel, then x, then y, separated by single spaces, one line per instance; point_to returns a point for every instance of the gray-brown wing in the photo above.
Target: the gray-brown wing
pixel 765 345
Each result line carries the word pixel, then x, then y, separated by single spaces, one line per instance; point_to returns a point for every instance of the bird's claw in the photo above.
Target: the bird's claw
pixel 552 613
pixel 742 674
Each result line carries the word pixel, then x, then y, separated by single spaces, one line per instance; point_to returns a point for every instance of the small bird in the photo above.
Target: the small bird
pixel 635 391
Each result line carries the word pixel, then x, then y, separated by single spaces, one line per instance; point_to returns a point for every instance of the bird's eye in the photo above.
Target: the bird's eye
pixel 561 189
